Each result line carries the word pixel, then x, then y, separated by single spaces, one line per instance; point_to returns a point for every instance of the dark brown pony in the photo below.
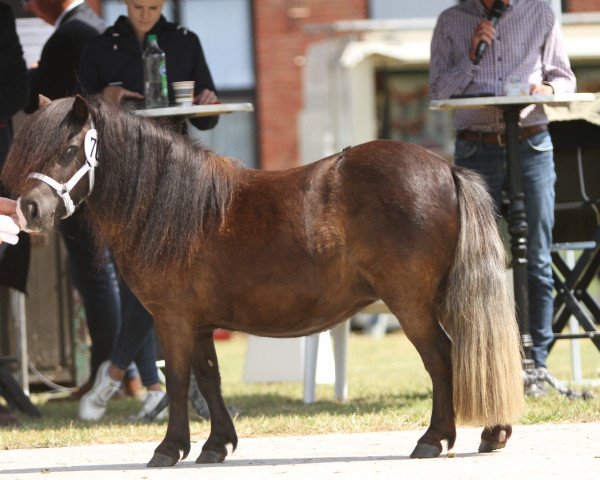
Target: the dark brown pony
pixel 205 243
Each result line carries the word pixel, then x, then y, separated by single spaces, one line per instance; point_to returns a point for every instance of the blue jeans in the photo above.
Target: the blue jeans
pixel 120 328
pixel 136 341
pixel 537 169
pixel 93 275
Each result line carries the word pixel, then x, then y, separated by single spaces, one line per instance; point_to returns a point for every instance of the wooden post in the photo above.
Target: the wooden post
pixel 17 308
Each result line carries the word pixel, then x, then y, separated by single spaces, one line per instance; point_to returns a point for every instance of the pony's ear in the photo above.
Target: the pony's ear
pixel 43 101
pixel 80 111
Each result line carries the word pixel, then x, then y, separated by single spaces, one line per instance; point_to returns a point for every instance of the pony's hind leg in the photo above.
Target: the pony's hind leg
pixel 432 343
pixel 177 349
pixel 435 353
pixel 493 438
pixel 206 371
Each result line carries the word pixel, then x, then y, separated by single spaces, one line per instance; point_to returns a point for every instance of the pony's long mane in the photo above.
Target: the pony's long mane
pixel 157 194
pixel 160 193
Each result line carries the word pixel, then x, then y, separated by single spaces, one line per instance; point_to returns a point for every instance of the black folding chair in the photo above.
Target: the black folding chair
pixel 577 226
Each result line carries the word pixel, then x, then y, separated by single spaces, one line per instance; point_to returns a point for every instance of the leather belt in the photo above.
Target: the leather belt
pixel 499 138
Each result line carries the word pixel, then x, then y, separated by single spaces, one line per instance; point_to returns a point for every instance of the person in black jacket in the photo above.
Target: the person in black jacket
pixel 112 63
pixel 55 77
pixel 14 81
pixel 14 88
pixel 14 85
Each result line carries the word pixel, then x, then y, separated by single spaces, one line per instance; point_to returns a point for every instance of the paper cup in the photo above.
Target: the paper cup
pixel 184 92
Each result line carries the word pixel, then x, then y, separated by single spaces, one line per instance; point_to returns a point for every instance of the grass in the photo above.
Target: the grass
pixel 388 390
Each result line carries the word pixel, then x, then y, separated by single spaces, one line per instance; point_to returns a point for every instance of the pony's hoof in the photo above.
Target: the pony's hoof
pixel 208 456
pixel 424 450
pixel 161 460
pixel 487 447
pixel 494 438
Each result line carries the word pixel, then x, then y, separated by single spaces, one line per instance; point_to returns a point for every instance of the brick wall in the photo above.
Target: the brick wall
pixel 583 5
pixel 280 45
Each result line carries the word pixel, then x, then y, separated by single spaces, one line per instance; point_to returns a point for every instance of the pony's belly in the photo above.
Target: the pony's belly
pixel 287 322
pixel 285 330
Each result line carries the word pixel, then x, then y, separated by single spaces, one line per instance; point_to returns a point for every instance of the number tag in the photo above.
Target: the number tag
pixel 90 144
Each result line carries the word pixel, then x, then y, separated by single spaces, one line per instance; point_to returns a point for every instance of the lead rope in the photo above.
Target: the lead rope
pixel 63 190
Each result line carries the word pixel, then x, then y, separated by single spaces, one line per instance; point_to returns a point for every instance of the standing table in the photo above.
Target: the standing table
pixel 511 107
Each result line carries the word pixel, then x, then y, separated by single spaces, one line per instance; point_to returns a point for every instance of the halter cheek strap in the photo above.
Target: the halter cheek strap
pixel 63 190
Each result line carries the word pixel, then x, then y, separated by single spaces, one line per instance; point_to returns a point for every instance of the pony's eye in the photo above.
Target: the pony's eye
pixel 72 150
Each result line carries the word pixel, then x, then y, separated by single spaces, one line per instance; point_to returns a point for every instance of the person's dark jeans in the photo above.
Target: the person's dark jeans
pixel 120 327
pixel 539 177
pixel 93 275
pixel 136 340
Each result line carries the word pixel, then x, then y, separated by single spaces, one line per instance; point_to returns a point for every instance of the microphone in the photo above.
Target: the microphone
pixel 496 12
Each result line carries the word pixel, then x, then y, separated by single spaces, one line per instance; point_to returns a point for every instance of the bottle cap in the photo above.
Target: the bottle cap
pixel 152 37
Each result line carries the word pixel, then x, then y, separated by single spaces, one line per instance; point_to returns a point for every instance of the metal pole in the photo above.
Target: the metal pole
pixel 517 227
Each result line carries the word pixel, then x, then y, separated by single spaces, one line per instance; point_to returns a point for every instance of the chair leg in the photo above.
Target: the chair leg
pixel 14 394
pixel 572 293
pixel 340 355
pixel 311 351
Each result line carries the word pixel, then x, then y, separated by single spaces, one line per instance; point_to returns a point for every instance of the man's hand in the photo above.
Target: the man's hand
pixel 485 32
pixel 117 94
pixel 205 97
pixel 8 227
pixel 541 90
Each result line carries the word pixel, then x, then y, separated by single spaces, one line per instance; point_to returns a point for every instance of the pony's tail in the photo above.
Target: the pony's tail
pixel 478 314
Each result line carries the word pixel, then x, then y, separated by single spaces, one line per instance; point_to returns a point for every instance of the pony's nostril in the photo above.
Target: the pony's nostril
pixel 32 210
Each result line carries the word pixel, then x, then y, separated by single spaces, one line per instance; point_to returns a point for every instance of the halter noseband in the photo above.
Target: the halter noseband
pixel 63 190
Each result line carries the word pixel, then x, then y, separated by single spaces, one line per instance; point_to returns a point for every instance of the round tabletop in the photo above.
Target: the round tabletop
pixel 195 110
pixel 501 101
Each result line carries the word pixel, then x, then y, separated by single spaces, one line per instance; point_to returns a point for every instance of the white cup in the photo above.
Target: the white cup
pixel 184 92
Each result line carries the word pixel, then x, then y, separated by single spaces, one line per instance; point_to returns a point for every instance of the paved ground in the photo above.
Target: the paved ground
pixel 570 451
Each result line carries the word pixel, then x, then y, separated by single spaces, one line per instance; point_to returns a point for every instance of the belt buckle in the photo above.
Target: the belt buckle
pixel 499 139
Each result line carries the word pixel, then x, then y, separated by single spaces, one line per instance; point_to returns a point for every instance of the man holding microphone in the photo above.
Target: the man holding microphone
pixel 476 48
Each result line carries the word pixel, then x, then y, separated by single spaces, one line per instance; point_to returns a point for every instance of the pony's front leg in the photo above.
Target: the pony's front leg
pixel 206 372
pixel 177 344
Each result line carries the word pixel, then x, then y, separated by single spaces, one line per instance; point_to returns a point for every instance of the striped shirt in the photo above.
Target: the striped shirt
pixel 528 46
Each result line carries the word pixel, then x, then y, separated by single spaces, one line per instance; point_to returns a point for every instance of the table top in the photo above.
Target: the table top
pixel 195 110
pixel 479 102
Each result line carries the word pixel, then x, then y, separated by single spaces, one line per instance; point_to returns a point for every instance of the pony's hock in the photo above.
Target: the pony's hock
pixel 205 243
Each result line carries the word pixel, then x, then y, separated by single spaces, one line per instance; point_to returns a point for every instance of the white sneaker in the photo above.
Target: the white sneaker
pixel 151 401
pixel 93 404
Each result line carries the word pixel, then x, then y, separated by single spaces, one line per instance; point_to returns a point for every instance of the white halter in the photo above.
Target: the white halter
pixel 63 190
